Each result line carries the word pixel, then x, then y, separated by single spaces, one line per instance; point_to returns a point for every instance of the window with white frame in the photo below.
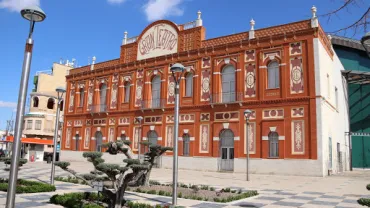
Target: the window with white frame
pixel 336 98
pixel 127 92
pixel 273 75
pixel 29 124
pixel 189 85
pixel 82 97
pixel 38 125
pixel 156 91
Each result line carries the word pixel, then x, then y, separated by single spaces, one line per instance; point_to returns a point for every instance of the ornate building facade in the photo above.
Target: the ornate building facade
pixel 276 72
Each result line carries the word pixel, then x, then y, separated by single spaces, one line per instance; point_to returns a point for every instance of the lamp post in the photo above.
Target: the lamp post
pixel 176 69
pixel 247 114
pixel 140 119
pixel 365 41
pixel 33 14
pixel 60 92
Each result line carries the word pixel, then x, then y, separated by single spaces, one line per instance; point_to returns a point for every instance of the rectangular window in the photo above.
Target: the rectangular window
pixel 38 125
pixel 29 124
pixel 336 98
pixel 328 82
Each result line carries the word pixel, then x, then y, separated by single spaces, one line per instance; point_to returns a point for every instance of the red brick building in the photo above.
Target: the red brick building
pixel 270 71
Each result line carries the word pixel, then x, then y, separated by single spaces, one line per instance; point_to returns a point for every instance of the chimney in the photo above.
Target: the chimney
pixel 199 21
pixel 314 20
pixel 93 63
pixel 251 31
pixel 124 42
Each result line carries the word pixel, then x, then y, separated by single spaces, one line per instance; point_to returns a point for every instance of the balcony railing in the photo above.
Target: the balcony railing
pixel 48 72
pixel 227 97
pixel 131 40
pixel 153 104
pixel 188 25
pixel 102 108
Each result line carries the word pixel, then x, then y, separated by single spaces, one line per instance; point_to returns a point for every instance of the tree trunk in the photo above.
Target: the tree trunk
pixel 118 198
pixel 147 176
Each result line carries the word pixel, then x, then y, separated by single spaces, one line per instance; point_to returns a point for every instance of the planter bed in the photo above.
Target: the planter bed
pixel 27 186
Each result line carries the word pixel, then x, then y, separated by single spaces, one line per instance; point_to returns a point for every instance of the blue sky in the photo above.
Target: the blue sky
pixel 85 28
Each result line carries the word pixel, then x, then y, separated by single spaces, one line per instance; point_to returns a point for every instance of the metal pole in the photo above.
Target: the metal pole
pixel 175 146
pixel 247 151
pixel 139 141
pixel 13 175
pixel 55 141
pixel 61 138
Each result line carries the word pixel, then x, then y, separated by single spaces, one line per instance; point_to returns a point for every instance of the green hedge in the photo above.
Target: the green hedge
pixel 364 202
pixel 75 200
pixel 26 186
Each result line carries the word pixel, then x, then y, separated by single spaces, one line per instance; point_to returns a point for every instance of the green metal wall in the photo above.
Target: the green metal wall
pixel 359 104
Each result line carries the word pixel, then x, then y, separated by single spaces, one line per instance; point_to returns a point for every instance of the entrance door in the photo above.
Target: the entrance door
pixel 153 139
pixel 227 150
pixel 98 140
pixel 186 138
pixel 77 140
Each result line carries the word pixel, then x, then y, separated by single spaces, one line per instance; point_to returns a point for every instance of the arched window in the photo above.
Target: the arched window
pixel 51 103
pixel 189 85
pixel 127 92
pixel 103 97
pixel 228 84
pixel 186 146
pixel 274 144
pixel 123 137
pixel 273 75
pixel 156 92
pixel 61 105
pixel 35 102
pixel 82 97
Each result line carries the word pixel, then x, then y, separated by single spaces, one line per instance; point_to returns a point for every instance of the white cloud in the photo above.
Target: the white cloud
pixel 159 9
pixel 8 104
pixel 116 1
pixel 18 5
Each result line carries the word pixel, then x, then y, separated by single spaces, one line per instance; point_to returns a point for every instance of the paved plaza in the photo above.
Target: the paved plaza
pixel 274 191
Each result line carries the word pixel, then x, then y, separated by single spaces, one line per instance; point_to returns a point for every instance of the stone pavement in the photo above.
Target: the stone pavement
pixel 275 191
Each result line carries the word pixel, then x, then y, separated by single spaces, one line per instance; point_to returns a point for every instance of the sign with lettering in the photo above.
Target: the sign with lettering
pixel 160 39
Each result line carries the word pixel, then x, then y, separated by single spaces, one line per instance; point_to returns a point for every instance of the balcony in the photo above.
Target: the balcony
pixel 102 108
pixel 227 98
pixel 153 104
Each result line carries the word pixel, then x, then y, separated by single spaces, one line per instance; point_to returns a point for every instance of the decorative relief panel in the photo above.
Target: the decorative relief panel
pixel 273 113
pixel 111 134
pixel 187 118
pixel 68 138
pixel 153 119
pixel 124 121
pixel 296 75
pixel 206 62
pixel 297 112
pixel 102 80
pixel 112 121
pixel 170 119
pixel 72 97
pixel 87 138
pixel 171 90
pixel 228 116
pixel 140 73
pixel 250 55
pixel 295 48
pixel 114 92
pixel 271 55
pixel 69 123
pixel 126 78
pixel 137 133
pixel 78 123
pixel 88 122
pixel 205 116
pixel 251 137
pixel 169 136
pixel 139 92
pixel 252 116
pixel 100 121
pixel 205 85
pixel 298 137
pixel 204 138
pixel 250 80
pixel 90 95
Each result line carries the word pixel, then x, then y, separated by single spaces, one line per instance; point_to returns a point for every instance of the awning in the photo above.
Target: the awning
pixel 356 77
pixel 32 140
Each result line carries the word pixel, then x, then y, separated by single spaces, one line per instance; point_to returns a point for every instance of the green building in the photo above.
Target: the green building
pixel 357 65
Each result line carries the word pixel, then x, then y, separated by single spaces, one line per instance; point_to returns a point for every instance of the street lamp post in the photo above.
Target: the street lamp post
pixel 140 119
pixel 365 41
pixel 176 69
pixel 33 14
pixel 247 114
pixel 60 92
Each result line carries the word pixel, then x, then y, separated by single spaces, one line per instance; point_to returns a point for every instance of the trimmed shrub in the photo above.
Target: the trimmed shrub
pixel 152 182
pixel 368 187
pixel 204 187
pixel 161 192
pixel 179 195
pixel 212 189
pixel 26 186
pixel 77 200
pixel 364 202
pixel 152 192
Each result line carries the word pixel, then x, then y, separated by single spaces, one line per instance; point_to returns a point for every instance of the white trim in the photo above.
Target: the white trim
pixel 144 138
pixel 159 138
pixel 148 82
pixel 282 64
pixel 163 80
pixel 273 128
pixel 92 138
pixel 281 137
pixel 186 131
pixel 104 138
pixel 216 73
pixel 263 67
pixel 180 138
pixel 118 138
pixel 152 128
pixel 216 138
pixel 238 70
pixel 195 75
pixel 73 138
pixel 265 138
pixel 236 138
pixel 225 125
pixel 192 138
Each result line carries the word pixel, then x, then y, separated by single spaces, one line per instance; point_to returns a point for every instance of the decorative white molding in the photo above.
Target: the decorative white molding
pixel 281 137
pixel 74 138
pixel 118 138
pixel 180 138
pixel 216 138
pixel 273 128
pixel 98 129
pixel 92 138
pixel 159 138
pixel 216 73
pixel 148 82
pixel 123 132
pixel 152 128
pixel 104 138
pixel 195 76
pixel 144 138
pixel 77 132
pixel 226 125
pixel 227 60
pixel 265 138
pixel 186 131
pixel 238 70
pixel 282 64
pixel 262 67
pixel 192 138
pixel 236 138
